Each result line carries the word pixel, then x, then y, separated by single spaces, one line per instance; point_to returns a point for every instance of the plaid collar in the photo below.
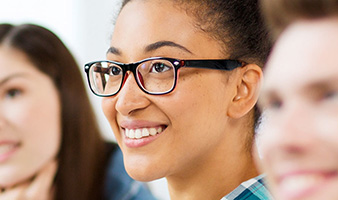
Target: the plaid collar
pixel 253 189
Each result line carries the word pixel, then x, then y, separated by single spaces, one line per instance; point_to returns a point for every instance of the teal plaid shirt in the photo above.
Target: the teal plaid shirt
pixel 253 189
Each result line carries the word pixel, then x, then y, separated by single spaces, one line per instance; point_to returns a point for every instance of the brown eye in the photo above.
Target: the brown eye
pixel 159 67
pixel 330 95
pixel 115 71
pixel 12 93
pixel 273 104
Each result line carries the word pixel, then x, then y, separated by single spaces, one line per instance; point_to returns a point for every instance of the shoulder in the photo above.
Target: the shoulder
pixel 253 189
pixel 119 185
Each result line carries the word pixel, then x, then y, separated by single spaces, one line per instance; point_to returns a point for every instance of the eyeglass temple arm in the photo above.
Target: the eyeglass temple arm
pixel 214 64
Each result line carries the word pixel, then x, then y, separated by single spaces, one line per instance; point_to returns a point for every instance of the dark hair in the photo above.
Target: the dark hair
pixel 237 25
pixel 81 158
pixel 281 13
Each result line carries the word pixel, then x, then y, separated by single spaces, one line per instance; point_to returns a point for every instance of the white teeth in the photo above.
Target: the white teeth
pixel 6 148
pixel 153 131
pixel 131 133
pixel 145 132
pixel 140 133
pixel 300 182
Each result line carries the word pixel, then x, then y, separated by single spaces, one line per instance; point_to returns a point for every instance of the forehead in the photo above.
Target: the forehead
pixel 304 54
pixel 151 19
pixel 141 23
pixel 14 61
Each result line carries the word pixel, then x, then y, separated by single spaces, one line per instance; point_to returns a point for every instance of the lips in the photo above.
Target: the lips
pixel 298 185
pixel 6 150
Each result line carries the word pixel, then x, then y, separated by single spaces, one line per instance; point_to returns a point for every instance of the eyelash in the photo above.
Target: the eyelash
pixel 330 95
pixel 12 93
pixel 272 104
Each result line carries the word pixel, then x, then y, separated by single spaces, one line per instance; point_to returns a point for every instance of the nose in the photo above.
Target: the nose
pixel 130 98
pixel 293 132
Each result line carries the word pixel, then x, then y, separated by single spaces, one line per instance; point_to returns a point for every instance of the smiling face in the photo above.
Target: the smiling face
pixel 29 118
pixel 188 126
pixel 299 143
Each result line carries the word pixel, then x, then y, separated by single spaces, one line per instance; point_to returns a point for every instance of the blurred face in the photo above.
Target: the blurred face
pixel 299 143
pixel 186 126
pixel 29 118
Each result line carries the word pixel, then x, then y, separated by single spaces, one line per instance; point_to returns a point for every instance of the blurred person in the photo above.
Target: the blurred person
pixel 50 144
pixel 299 140
pixel 179 90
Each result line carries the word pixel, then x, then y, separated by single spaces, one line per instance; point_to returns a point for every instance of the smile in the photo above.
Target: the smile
pixel 298 185
pixel 6 150
pixel 142 132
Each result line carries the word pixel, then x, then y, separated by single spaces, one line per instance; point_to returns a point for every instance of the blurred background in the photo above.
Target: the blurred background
pixel 85 26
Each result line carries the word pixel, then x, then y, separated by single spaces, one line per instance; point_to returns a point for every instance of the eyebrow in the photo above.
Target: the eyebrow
pixel 321 86
pixel 8 78
pixel 152 47
pixel 114 50
pixel 165 43
pixel 325 83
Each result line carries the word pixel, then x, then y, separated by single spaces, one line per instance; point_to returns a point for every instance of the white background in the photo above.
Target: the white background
pixel 85 27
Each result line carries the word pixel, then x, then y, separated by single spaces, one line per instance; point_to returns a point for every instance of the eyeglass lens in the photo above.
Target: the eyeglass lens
pixel 153 76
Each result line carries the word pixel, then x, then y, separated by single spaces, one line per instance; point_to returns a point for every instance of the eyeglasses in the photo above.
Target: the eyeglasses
pixel 154 76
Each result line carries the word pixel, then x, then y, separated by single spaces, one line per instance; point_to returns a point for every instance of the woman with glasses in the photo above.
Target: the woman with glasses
pixel 50 145
pixel 179 90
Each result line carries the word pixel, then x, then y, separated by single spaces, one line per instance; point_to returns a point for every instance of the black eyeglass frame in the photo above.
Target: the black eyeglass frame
pixel 218 64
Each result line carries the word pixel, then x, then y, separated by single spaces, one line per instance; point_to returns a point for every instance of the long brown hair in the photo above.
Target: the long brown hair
pixel 82 155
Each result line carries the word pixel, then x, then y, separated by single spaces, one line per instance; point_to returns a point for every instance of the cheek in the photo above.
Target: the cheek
pixel 258 157
pixel 196 110
pixel 42 122
pixel 108 107
pixel 327 125
pixel 37 126
pixel 26 115
pixel 265 142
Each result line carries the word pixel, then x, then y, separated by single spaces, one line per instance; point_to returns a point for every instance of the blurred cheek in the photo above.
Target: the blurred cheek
pixel 328 126
pixel 265 147
pixel 37 126
pixel 21 114
pixel 257 156
pixel 43 123
pixel 263 140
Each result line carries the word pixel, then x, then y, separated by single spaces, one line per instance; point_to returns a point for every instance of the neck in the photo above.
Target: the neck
pixel 212 179
pixel 218 171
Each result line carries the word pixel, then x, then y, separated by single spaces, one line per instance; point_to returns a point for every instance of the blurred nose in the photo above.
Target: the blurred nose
pixel 130 98
pixel 293 131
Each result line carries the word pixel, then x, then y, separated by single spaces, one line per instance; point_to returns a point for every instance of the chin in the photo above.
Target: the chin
pixel 144 167
pixel 142 173
pixel 13 177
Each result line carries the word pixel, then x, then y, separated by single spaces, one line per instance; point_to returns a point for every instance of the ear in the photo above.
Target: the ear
pixel 248 88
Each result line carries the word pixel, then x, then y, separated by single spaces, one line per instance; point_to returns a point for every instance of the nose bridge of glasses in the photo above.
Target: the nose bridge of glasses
pixel 129 67
pixel 132 68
